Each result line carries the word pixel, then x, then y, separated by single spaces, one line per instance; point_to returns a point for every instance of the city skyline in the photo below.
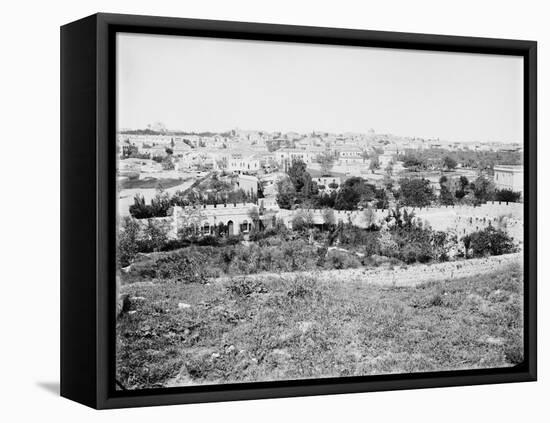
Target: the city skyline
pixel 198 84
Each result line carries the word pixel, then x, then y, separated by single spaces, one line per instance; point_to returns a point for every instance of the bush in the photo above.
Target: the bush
pixel 243 287
pixel 183 266
pixel 301 287
pixel 128 242
pixel 489 241
pixel 340 260
pixel 302 220
pixel 155 236
pixel 413 244
pixel 507 195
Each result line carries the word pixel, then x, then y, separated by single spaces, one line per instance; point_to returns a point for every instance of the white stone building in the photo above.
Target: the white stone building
pixel 509 177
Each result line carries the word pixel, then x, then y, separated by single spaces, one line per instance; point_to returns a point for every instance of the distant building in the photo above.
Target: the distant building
pixel 350 154
pixel 241 163
pixel 285 156
pixel 509 177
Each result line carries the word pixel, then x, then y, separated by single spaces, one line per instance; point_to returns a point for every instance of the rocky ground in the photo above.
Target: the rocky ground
pixel 327 324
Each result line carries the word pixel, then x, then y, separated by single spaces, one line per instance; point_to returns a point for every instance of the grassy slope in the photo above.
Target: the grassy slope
pixel 272 329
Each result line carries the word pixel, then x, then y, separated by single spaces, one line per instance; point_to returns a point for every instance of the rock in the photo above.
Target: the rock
pixel 215 355
pixel 183 305
pixel 230 349
pixel 305 326
pixel 281 353
pixel 494 341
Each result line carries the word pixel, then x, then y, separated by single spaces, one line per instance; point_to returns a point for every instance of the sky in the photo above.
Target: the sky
pixel 206 84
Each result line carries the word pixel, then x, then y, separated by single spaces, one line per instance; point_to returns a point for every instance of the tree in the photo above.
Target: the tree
pixel 155 235
pixel 374 163
pixel 483 189
pixel 415 192
pixel 326 160
pixel 413 162
pixel 462 189
pixel 449 163
pixel 489 241
pixel 389 169
pixel 127 242
pixel 167 163
pixel 382 198
pixel 254 215
pixel 160 204
pixel 446 197
pixel 328 218
pixel 286 194
pixel 302 220
pixel 354 192
pixel 507 195
pixel 301 179
pixel 139 209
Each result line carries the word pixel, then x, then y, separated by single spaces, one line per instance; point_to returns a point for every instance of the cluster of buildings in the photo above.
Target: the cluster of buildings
pixel 265 156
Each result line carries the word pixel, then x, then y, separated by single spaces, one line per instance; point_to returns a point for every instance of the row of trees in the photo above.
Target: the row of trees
pixel 299 190
pixel 438 158
pixel 462 191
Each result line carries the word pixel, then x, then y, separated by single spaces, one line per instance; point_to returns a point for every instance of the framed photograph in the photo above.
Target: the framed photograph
pixel 256 211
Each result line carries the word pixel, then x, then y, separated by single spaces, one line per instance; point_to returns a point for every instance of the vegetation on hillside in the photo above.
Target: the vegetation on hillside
pixel 273 328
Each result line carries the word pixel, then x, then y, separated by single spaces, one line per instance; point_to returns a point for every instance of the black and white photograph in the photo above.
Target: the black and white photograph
pixel 302 211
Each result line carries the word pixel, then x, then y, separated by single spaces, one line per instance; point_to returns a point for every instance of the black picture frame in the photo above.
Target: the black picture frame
pixel 88 209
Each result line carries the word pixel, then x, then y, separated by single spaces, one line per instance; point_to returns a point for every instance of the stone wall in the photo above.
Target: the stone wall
pixel 460 219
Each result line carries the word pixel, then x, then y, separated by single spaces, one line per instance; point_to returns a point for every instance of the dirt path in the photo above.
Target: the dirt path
pixel 406 276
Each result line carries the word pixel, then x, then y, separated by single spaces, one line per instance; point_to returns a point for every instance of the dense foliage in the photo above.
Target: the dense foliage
pixel 489 242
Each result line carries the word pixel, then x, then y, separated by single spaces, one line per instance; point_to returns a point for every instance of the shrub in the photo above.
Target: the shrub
pixel 302 220
pixel 155 236
pixel 415 192
pixel 507 195
pixel 489 241
pixel 183 266
pixel 243 287
pixel 301 287
pixel 128 241
pixel 340 260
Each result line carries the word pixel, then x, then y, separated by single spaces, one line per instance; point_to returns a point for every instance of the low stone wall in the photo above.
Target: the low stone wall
pixel 460 219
